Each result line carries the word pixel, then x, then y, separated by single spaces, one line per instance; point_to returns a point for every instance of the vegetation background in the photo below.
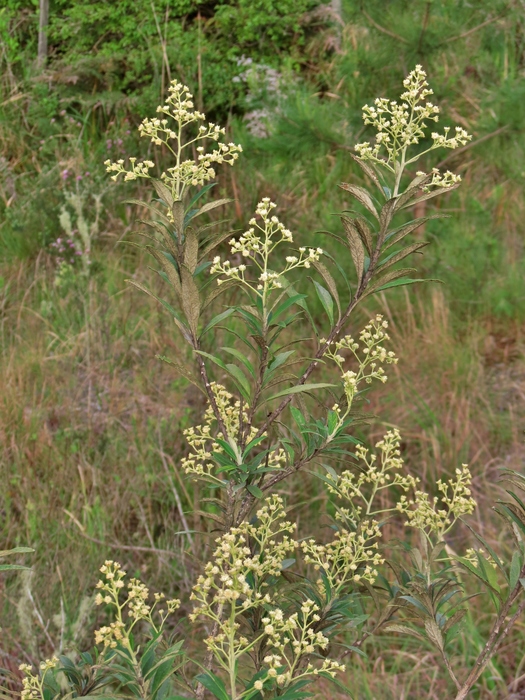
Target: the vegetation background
pixel 90 421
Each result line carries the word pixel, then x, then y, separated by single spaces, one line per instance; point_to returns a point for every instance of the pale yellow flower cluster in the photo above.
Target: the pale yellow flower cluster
pixel 400 125
pixel 33 684
pixel 203 445
pixel 135 604
pixel 178 113
pixel 369 364
pixel 437 516
pixel 292 638
pixel 240 577
pixel 350 557
pixel 256 245
pixel 361 490
pixel 233 562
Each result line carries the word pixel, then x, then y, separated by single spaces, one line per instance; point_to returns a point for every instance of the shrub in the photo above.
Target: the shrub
pixel 275 608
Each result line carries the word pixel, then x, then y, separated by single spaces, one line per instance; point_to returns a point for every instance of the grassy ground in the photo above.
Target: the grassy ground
pixel 91 421
pixel 90 451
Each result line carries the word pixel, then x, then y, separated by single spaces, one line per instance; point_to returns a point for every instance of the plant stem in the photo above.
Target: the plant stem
pixel 497 635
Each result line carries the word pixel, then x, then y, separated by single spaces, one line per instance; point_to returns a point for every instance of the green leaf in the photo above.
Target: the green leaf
pixel 431 195
pixel 255 491
pixel 330 283
pixel 242 358
pixel 279 360
pixel 362 197
pixel 212 205
pixel 515 568
pixel 166 305
pixel 368 170
pixel 404 629
pixel 16 550
pixel 217 319
pixel 214 684
pixel 216 360
pixel 401 255
pixel 326 300
pixel 298 418
pixel 240 381
pixel 190 298
pixel 299 389
pixel 168 268
pixel 356 248
pixel 200 193
pixel 191 249
pixel 337 682
pixel 285 305
pixel 384 282
pixel 213 241
pixel 163 191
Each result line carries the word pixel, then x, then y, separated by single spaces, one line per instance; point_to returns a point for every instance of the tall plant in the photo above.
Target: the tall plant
pixel 279 608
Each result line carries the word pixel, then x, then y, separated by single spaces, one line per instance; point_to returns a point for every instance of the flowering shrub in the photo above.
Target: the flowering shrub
pixel 271 603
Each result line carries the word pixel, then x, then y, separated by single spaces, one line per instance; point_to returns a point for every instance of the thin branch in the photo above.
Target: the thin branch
pixel 495 638
pixel 471 31
pixel 211 396
pixel 128 547
pixel 383 29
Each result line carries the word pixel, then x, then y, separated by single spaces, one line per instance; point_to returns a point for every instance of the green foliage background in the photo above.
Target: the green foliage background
pixel 108 65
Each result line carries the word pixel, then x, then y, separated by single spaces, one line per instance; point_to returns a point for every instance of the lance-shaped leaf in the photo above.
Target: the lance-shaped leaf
pixel 213 241
pixel 330 283
pixel 431 195
pixel 168 268
pixel 214 684
pixel 400 255
pixel 385 218
pixel 368 171
pixel 217 319
pixel 365 233
pixel 212 205
pixel 412 189
pixel 362 197
pixel 398 234
pixel 164 303
pixel 152 208
pixel 183 371
pixel 242 359
pixel 190 299
pixel 299 389
pixel 164 236
pixel 385 281
pixel 356 248
pixel 178 218
pixel 404 629
pixel 163 191
pixel 191 249
pixel 217 291
pixel 326 300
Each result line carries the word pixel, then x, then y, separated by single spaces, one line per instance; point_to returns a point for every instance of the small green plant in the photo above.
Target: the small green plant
pixel 276 608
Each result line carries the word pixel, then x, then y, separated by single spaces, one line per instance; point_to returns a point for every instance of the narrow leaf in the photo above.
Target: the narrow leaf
pixel 240 381
pixel 217 319
pixel 163 191
pixel 326 300
pixel 356 248
pixel 242 358
pixel 362 197
pixel 330 283
pixel 299 389
pixel 255 491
